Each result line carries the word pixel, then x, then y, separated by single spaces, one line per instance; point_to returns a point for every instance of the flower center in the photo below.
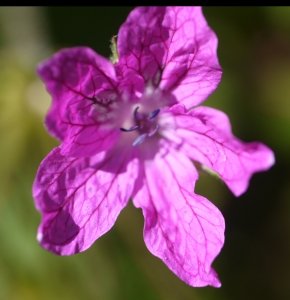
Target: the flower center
pixel 145 124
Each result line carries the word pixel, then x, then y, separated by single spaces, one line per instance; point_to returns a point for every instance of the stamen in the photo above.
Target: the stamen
pixel 144 125
pixel 135 113
pixel 153 114
pixel 140 139
pixel 130 129
pixel 154 131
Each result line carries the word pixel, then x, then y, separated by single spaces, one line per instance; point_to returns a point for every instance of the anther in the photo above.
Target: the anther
pixel 135 113
pixel 154 131
pixel 153 114
pixel 140 139
pixel 130 129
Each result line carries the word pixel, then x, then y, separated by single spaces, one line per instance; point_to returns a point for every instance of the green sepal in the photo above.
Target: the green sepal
pixel 114 58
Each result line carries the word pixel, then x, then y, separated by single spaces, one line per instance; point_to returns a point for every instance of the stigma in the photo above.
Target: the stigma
pixel 144 124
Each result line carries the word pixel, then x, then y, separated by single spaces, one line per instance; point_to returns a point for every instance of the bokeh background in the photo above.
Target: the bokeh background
pixel 254 51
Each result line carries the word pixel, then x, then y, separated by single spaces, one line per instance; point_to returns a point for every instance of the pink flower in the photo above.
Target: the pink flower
pixel 127 131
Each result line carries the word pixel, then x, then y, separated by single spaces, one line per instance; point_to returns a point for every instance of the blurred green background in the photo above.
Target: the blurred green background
pixel 254 51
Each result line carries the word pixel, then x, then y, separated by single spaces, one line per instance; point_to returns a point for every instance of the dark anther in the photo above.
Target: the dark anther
pixel 130 129
pixel 135 113
pixel 153 114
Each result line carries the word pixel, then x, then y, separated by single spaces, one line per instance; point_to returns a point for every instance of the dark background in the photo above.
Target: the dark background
pixel 254 52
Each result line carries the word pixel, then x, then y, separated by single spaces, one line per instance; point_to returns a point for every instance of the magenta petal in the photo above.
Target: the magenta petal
pixel 80 198
pixel 204 134
pixel 183 229
pixel 83 87
pixel 138 40
pixel 172 47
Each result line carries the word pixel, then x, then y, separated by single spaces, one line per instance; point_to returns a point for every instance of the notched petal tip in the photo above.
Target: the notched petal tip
pixel 271 159
pixel 215 282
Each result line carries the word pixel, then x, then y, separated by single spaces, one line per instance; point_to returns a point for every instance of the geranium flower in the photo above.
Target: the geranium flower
pixel 127 131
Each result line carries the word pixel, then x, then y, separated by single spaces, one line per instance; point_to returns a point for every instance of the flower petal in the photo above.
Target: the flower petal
pixel 83 87
pixel 183 229
pixel 80 198
pixel 171 47
pixel 204 134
